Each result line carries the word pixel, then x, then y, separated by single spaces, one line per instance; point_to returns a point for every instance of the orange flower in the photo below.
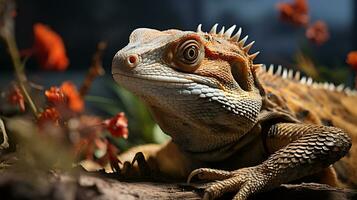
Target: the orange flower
pixel 318 32
pixel 66 95
pixel 90 136
pixel 75 101
pixel 50 115
pixel 49 48
pixel 352 59
pixel 55 96
pixel 118 125
pixel 295 12
pixel 16 98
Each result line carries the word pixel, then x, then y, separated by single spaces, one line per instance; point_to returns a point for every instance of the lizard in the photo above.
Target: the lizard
pixel 234 123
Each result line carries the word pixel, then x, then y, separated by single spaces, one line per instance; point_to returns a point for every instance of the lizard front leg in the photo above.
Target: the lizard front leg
pixel 297 150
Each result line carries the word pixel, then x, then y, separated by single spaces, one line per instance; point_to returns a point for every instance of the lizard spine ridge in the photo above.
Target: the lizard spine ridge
pixel 292 75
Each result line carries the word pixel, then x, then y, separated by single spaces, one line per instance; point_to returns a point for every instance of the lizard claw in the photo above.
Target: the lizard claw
pixel 143 165
pixel 142 170
pixel 245 182
pixel 209 174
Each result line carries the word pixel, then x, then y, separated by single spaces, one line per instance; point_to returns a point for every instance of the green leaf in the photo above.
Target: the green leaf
pixel 158 135
pixel 107 105
pixel 142 128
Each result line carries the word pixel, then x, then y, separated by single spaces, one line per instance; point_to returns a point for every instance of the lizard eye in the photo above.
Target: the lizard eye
pixel 189 55
pixel 189 51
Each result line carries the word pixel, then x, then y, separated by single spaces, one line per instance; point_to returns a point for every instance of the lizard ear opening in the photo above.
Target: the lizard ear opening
pixel 242 75
pixel 187 55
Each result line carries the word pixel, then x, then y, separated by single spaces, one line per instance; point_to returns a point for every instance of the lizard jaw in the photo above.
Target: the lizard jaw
pixel 210 82
pixel 153 78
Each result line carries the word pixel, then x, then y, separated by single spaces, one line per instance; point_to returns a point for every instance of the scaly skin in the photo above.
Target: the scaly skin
pixel 228 119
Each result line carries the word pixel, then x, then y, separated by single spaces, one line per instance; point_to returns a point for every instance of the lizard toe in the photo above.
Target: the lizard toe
pixel 209 174
pixel 246 182
pixel 219 188
pixel 243 193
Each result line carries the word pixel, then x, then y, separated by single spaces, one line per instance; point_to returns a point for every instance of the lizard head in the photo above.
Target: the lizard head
pixel 197 84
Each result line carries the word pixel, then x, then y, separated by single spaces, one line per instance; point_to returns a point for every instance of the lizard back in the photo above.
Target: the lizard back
pixel 316 103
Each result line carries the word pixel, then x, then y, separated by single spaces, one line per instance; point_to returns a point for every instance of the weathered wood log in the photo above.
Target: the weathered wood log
pixel 88 187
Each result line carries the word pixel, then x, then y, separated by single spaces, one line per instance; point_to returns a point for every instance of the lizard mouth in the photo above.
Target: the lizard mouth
pixel 172 79
pixel 149 77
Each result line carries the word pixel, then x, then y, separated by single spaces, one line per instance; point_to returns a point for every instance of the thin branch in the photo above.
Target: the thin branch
pixel 96 69
pixel 7 24
pixel 19 72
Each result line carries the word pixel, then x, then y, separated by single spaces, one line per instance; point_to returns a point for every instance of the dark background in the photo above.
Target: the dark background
pixel 84 23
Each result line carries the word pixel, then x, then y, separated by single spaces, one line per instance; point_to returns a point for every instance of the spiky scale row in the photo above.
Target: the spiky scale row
pixel 237 35
pixel 221 32
pixel 248 46
pixel 242 41
pixel 284 73
pixel 229 31
pixel 297 75
pixel 214 29
pixel 254 55
pixel 236 38
pixel 289 74
pixel 199 28
pixel 278 71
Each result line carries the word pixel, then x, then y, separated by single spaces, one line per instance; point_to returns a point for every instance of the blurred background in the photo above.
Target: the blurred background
pixel 82 24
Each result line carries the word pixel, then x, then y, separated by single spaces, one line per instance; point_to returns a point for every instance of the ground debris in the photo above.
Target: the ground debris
pixel 96 187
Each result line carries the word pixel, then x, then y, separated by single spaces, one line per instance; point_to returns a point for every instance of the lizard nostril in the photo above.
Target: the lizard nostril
pixel 133 60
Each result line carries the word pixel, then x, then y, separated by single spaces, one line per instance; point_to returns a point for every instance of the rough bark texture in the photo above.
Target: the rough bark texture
pixel 100 188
